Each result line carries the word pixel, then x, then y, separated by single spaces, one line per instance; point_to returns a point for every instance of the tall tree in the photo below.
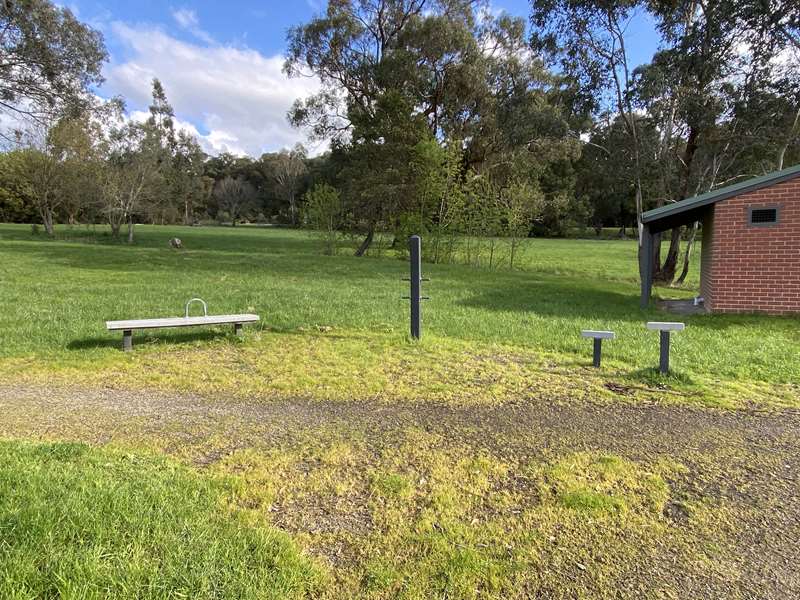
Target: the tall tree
pixel 188 184
pixel 130 176
pixel 48 60
pixel 56 164
pixel 288 169
pixel 396 73
pixel 588 37
pixel 235 196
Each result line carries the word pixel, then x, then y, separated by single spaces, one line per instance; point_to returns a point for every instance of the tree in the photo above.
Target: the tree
pixel 325 213
pixel 79 140
pixel 518 205
pixel 396 73
pixel 589 39
pixel 17 202
pixel 698 85
pixel 288 168
pixel 160 144
pixel 439 192
pixel 188 184
pixel 605 171
pixel 129 176
pixel 235 196
pixel 48 60
pixel 56 166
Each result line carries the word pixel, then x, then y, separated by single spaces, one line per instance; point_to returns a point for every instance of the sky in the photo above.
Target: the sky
pixel 220 62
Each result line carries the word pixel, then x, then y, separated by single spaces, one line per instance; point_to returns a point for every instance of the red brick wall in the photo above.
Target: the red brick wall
pixel 755 268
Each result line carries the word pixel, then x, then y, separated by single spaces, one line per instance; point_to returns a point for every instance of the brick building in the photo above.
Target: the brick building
pixel 751 244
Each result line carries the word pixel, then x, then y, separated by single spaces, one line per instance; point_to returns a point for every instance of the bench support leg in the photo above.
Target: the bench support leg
pixel 663 364
pixel 237 329
pixel 598 348
pixel 127 340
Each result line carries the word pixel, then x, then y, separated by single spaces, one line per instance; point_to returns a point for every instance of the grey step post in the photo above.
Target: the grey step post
pixel 415 251
pixel 664 329
pixel 127 340
pixel 597 337
pixel 237 329
pixel 663 363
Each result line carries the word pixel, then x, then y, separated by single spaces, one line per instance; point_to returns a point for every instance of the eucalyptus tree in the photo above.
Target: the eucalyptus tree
pixel 372 102
pixel 235 196
pixel 396 73
pixel 48 61
pixel 16 197
pixel 129 178
pixel 588 38
pixel 58 163
pixel 188 185
pixel 722 63
pixel 287 169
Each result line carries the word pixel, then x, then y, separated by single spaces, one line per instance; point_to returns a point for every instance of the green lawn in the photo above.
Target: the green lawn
pixel 77 522
pixel 325 454
pixel 344 316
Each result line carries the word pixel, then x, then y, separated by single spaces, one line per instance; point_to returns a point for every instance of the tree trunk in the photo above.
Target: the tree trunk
pixel 687 255
pixel 115 227
pixel 362 249
pixel 782 149
pixel 47 220
pixel 667 271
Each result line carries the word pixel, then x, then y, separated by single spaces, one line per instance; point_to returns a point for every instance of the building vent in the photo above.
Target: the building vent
pixel 763 216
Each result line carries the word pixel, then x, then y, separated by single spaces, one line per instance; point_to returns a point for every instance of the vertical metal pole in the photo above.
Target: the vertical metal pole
pixel 598 346
pixel 663 364
pixel 127 340
pixel 415 250
pixel 646 253
pixel 237 329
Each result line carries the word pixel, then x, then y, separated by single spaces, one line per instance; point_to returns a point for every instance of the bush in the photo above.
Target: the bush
pixel 324 212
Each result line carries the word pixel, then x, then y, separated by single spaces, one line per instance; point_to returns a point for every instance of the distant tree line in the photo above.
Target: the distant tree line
pixel 443 118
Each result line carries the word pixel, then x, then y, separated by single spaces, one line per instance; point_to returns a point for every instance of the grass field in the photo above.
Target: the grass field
pixel 83 523
pixel 326 455
pixel 336 326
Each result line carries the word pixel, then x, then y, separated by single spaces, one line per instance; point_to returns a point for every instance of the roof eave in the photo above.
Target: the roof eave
pixel 691 204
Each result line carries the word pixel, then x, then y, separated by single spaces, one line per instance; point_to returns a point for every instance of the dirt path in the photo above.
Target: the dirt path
pixel 749 459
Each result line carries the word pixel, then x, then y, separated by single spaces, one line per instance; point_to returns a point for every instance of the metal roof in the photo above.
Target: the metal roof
pixel 756 183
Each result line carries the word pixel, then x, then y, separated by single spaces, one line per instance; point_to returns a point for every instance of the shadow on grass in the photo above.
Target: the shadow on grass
pixel 595 302
pixel 560 297
pixel 149 338
pixel 257 240
pixel 137 261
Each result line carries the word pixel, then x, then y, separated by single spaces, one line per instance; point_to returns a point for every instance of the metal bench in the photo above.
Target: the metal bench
pixel 127 327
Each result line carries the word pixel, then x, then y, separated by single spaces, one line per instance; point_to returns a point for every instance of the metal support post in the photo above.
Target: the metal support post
pixel 663 364
pixel 415 250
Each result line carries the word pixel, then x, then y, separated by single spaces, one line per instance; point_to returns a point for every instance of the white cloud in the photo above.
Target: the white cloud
pixel 188 20
pixel 233 99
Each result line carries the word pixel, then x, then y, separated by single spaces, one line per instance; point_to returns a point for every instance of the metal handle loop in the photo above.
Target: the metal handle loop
pixel 201 301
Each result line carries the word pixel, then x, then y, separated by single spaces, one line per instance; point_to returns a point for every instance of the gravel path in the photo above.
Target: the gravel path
pixel 749 458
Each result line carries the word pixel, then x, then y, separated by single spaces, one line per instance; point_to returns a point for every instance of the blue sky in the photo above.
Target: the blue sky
pixel 220 63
